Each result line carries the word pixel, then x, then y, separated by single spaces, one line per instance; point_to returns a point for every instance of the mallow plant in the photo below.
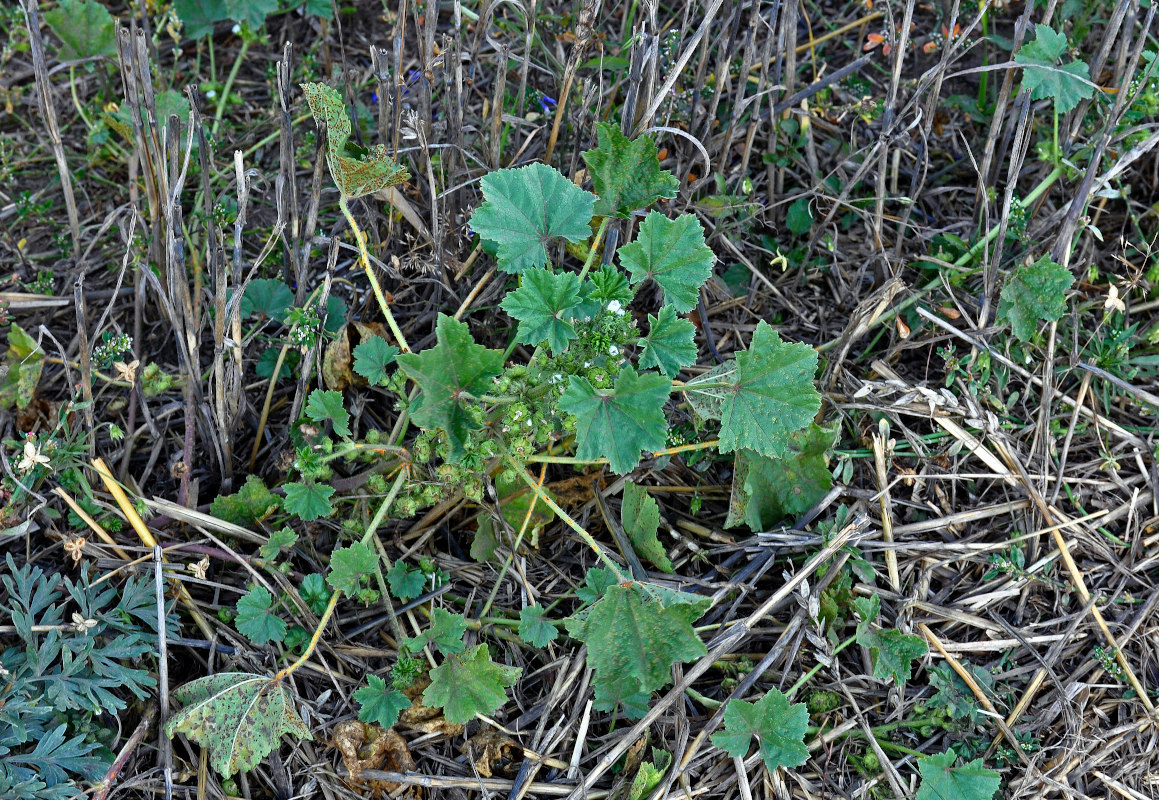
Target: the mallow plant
pixel 599 381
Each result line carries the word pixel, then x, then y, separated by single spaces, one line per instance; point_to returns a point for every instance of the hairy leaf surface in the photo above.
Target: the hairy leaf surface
pixel 670 344
pixel 469 683
pixel 779 726
pixel 1033 293
pixel 626 173
pixel 771 395
pixel 619 424
pixel 671 252
pixel 941 780
pixel 456 364
pixel 525 209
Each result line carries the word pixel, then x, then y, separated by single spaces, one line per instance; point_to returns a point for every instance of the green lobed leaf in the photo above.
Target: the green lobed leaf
pixel 445 633
pixel 380 704
pixel 779 726
pixel 267 297
pixel 764 490
pixel 264 368
pixel 640 516
pixel 649 774
pixel 671 252
pixel 469 683
pixel 314 592
pixel 771 395
pixel 50 761
pixel 348 565
pixel 406 583
pixel 199 16
pixel 634 634
pixel 670 344
pixel 456 364
pixel 1032 293
pixel 941 780
pixel 238 716
pixel 1068 84
pixel 626 173
pixel 891 652
pixel 256 619
pixel 308 501
pixel 250 12
pixel 327 405
pixel 371 358
pixel 955 696
pixel 534 629
pixel 354 175
pixel 542 304
pixel 608 284
pixel 279 540
pixel 596 582
pixel 620 424
pixel 320 8
pixel 84 27
pixel 799 217
pixel 252 502
pixel 524 209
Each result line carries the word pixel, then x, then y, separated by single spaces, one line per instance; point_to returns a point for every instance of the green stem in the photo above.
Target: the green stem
pixel 358 237
pixel 808 676
pixel 511 556
pixel 563 515
pixel 221 101
pixel 285 673
pixel 595 247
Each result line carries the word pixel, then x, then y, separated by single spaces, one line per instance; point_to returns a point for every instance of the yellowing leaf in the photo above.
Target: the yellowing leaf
pixel 240 717
pixel 355 174
pixel 24 361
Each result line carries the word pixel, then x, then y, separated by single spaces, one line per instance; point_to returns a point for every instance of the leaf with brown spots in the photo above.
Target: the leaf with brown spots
pixel 240 717
pixel 356 171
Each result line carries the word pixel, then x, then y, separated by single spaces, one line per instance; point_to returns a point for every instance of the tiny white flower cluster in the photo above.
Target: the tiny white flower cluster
pixel 556 378
pixel 613 350
pixel 615 307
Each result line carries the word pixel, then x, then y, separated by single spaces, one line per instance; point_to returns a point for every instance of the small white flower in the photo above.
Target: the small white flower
pixel 518 413
pixel 587 365
pixel 236 29
pixel 32 456
pixel 613 351
pixel 615 307
pixel 211 94
pixel 1114 302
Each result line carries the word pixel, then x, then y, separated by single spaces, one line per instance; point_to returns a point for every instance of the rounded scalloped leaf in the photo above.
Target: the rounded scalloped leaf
pixel 240 717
